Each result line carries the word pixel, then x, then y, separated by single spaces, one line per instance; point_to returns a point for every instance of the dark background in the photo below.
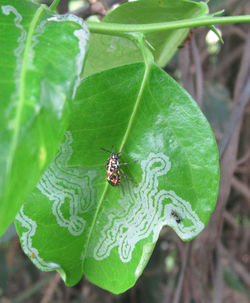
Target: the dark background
pixel 215 266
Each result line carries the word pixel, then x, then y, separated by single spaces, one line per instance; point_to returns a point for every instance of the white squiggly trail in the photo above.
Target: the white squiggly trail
pixel 10 110
pixel 145 210
pixel 26 240
pixel 70 186
pixel 66 187
pixel 82 35
pixel 7 9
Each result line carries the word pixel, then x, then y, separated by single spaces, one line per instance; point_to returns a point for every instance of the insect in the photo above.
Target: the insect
pixel 113 171
pixel 176 216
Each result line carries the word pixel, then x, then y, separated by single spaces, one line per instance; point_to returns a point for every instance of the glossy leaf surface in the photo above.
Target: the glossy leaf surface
pixel 86 226
pixel 41 58
pixel 110 51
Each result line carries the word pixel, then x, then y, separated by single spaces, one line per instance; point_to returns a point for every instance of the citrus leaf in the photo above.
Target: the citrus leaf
pixel 84 225
pixel 110 51
pixel 41 57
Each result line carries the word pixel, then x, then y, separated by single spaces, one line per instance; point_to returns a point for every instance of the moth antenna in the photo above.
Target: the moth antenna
pixel 104 149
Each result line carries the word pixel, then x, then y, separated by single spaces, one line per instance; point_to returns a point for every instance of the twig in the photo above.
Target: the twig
pixel 198 72
pixel 244 159
pixel 229 149
pixel 67 292
pixel 63 6
pixel 178 291
pixel 242 188
pixel 244 245
pixel 229 218
pixel 97 8
pixel 12 251
pixel 184 65
pixel 83 11
pixel 243 75
pixel 243 274
pixel 33 289
pixel 218 279
pixel 235 118
pixel 50 289
pixel 242 170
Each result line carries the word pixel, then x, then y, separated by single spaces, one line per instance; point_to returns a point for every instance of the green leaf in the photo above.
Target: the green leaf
pixel 84 225
pixel 41 58
pixel 110 51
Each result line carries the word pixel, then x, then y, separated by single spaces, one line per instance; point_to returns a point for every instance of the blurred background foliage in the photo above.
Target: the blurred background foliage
pixel 215 266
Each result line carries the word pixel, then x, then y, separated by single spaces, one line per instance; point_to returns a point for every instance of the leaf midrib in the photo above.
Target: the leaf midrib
pixel 21 94
pixel 130 123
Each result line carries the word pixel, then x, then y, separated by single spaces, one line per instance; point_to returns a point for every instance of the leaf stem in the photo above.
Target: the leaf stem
pixel 54 4
pixel 119 29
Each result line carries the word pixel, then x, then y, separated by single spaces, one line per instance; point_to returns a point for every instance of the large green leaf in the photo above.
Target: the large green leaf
pixel 83 225
pixel 41 58
pixel 109 51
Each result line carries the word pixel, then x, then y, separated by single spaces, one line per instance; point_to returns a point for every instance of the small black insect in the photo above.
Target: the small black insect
pixel 176 216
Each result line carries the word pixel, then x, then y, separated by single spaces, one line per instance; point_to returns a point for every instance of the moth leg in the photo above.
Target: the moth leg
pixel 126 177
pixel 126 163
